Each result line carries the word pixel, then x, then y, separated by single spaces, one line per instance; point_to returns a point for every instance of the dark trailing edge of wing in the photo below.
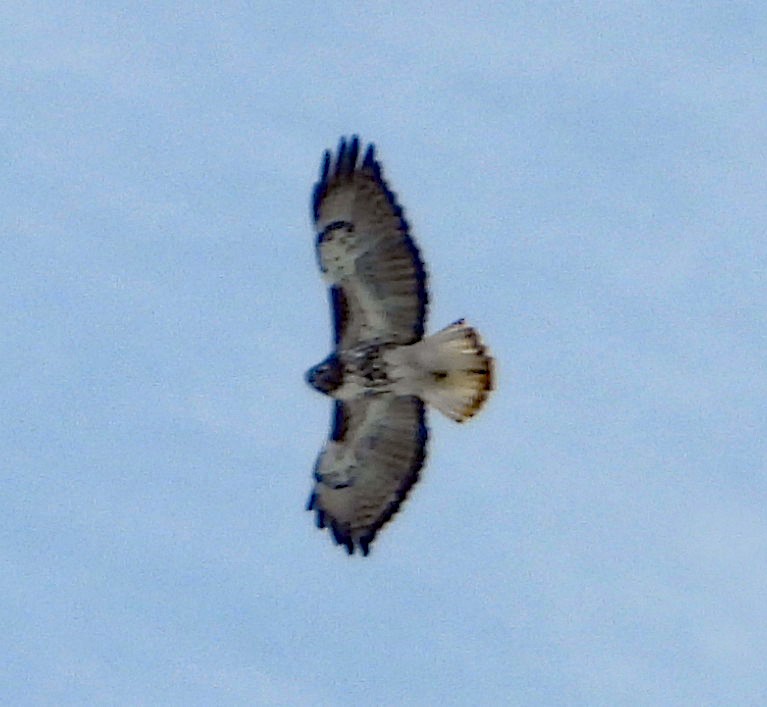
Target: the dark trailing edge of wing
pixel 345 164
pixel 373 164
pixel 423 297
pixel 404 489
pixel 412 477
pixel 342 534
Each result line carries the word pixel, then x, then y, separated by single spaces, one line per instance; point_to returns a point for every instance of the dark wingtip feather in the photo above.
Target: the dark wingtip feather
pixel 319 517
pixel 340 155
pixel 370 156
pixel 344 165
pixel 342 536
pixel 321 187
pixel 364 544
pixel 351 157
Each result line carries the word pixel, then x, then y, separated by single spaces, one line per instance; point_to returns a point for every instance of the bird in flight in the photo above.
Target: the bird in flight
pixel 383 371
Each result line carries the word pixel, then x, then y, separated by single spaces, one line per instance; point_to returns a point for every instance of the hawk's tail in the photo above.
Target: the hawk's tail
pixel 460 371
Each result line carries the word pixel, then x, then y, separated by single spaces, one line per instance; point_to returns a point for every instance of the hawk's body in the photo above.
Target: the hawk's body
pixel 382 370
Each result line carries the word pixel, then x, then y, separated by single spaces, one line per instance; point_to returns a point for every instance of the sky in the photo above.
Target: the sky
pixel 586 184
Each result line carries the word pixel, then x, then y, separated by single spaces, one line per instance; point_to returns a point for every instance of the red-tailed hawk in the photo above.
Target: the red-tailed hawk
pixel 383 371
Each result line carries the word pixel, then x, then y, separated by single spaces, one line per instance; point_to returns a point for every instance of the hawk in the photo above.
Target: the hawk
pixel 383 371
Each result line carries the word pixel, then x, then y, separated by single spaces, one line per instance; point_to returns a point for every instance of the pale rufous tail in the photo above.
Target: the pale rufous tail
pixel 460 371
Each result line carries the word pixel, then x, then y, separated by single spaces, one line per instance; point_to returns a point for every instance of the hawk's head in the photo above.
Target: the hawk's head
pixel 326 376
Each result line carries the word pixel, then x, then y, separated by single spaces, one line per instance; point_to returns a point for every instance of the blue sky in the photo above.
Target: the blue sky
pixel 586 183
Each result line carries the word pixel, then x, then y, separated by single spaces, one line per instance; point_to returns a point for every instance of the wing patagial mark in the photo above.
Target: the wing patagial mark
pixel 340 422
pixel 335 226
pixel 340 308
pixel 328 235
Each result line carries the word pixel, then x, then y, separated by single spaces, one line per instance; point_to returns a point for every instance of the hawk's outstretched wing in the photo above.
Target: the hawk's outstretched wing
pixel 376 449
pixel 376 276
